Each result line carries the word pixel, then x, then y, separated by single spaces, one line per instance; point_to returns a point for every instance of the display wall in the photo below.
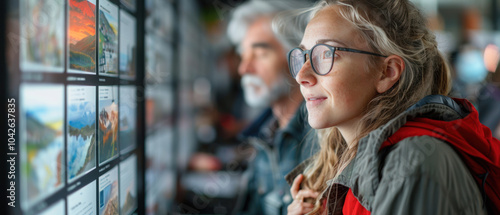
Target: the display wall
pixel 93 98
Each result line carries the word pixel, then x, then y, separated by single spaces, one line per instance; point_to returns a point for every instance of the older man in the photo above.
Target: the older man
pixel 278 135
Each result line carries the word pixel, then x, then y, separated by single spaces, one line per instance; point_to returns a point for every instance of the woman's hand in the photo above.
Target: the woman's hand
pixel 298 206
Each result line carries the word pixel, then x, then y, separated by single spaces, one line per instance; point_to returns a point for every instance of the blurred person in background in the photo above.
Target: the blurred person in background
pixel 469 71
pixel 488 103
pixel 278 134
pixel 475 77
pixel 392 141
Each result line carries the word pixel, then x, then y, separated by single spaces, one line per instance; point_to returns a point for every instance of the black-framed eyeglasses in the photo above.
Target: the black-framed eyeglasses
pixel 321 57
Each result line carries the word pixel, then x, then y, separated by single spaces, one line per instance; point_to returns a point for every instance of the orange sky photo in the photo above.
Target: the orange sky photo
pixel 82 20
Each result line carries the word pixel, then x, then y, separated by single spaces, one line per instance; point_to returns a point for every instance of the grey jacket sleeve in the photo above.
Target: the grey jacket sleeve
pixel 423 175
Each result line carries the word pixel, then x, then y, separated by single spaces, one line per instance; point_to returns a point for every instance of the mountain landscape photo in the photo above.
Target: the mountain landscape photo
pixel 82 38
pixel 42 145
pixel 81 138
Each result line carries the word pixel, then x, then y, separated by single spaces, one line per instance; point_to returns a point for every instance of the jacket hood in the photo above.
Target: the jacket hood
pixel 471 139
pixel 467 135
pixel 454 121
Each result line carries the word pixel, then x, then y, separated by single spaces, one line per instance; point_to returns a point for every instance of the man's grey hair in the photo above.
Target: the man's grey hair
pixel 244 15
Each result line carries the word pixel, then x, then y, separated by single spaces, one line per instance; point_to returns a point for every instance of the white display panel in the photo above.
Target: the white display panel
pixel 108 193
pixel 83 201
pixel 128 48
pixel 128 118
pixel 128 185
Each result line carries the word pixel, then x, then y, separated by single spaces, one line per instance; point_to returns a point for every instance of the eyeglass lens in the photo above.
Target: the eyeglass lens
pixel 322 60
pixel 297 60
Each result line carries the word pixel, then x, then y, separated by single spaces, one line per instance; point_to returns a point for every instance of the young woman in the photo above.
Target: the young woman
pixel 391 141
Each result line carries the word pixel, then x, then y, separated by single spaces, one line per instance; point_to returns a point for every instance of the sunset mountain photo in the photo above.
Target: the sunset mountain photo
pixel 81 36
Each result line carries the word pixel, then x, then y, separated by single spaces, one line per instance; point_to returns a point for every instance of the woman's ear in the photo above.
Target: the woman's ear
pixel 393 68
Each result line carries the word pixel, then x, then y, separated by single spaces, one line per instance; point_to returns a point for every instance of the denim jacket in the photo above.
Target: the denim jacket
pixel 277 153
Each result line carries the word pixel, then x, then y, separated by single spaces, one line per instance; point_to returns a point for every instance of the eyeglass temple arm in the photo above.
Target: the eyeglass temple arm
pixel 359 51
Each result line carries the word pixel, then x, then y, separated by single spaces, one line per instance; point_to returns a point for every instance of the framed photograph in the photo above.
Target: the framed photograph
pixel 42 35
pixel 108 193
pixel 128 48
pixel 81 127
pixel 108 123
pixel 128 185
pixel 128 118
pixel 108 39
pixel 129 4
pixel 82 36
pixel 42 141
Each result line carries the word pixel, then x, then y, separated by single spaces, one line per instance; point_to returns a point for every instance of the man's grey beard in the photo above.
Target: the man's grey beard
pixel 258 94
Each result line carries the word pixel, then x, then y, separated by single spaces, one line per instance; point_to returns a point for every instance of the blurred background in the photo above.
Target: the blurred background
pixel 187 105
pixel 468 33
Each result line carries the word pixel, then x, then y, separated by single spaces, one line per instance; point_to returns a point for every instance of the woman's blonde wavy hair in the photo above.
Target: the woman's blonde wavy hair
pixel 390 27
